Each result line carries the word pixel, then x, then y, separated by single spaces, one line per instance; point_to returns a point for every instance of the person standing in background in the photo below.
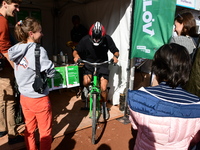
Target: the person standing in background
pixel 8 8
pixel 185 27
pixel 78 31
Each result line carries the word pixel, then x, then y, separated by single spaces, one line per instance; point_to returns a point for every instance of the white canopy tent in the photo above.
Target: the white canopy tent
pixel 115 15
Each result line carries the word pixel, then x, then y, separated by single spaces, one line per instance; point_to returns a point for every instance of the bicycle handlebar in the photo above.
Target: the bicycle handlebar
pixel 95 64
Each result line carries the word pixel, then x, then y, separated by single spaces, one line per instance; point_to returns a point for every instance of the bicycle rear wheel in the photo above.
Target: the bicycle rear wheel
pixel 95 117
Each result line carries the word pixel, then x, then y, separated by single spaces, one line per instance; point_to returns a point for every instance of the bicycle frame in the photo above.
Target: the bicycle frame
pixel 94 87
pixel 95 96
pixel 95 90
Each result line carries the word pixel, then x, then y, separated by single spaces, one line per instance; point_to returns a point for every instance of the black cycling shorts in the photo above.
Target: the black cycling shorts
pixel 102 71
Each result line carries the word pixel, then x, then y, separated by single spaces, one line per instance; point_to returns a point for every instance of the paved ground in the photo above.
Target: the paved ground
pixel 116 136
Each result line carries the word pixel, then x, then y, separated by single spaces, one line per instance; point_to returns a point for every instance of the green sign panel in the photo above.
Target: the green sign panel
pixel 152 26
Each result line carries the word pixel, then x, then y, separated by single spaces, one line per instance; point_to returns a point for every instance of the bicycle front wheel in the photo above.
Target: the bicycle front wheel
pixel 95 116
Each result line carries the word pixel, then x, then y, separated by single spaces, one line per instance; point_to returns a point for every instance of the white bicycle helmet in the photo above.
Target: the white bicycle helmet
pixel 97 33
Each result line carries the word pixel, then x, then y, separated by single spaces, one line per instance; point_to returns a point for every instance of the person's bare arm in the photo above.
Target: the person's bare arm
pixel 11 62
pixel 115 57
pixel 76 56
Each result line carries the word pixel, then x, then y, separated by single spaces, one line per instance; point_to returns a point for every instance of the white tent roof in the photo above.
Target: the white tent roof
pixel 115 15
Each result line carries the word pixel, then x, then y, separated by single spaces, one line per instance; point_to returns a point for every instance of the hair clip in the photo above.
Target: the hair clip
pixel 19 23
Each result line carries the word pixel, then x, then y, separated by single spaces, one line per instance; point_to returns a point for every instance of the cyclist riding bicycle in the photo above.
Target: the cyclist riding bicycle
pixel 94 48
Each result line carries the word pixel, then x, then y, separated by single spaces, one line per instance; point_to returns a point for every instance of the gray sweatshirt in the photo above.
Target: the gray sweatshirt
pixel 185 41
pixel 23 57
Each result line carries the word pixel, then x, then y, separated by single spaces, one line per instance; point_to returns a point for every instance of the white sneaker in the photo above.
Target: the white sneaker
pixel 84 94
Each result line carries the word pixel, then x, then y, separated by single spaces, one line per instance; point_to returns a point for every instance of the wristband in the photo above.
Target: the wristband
pixel 116 56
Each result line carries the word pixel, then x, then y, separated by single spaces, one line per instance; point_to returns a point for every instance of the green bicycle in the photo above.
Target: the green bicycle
pixel 94 98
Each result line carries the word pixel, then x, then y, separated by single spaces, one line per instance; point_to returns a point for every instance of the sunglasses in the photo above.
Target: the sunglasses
pixel 179 16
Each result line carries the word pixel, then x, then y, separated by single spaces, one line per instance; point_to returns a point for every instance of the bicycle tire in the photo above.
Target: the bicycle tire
pixel 94 117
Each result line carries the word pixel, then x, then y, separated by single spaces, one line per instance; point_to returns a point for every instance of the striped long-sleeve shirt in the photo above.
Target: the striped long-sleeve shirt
pixel 177 95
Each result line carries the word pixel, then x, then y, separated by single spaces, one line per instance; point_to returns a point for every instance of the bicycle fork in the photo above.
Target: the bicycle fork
pixel 95 90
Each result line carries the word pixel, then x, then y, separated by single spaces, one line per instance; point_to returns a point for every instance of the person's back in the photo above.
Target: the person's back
pixel 166 116
pixel 167 127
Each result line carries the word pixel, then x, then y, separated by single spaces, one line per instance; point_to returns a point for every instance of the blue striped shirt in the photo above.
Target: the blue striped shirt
pixel 177 94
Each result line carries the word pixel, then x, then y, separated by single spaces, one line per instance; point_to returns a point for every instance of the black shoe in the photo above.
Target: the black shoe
pixel 3 133
pixel 16 139
pixel 105 112
pixel 83 98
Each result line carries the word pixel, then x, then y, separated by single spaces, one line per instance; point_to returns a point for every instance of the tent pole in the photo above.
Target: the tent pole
pixel 130 74
pixel 130 84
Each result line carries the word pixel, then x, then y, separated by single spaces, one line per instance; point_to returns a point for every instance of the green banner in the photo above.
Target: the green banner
pixel 152 26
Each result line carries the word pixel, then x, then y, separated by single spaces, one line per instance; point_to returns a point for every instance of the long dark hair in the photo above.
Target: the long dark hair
pixel 189 24
pixel 172 64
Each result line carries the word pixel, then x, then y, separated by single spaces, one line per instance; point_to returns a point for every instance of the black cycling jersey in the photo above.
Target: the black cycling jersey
pixel 87 51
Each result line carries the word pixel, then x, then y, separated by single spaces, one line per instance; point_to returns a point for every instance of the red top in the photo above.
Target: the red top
pixel 5 43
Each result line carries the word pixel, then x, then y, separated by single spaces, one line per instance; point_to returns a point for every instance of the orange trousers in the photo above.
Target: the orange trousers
pixel 37 113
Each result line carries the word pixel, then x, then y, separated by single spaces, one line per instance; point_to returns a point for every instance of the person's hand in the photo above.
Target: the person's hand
pixel 76 59
pixel 70 44
pixel 115 59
